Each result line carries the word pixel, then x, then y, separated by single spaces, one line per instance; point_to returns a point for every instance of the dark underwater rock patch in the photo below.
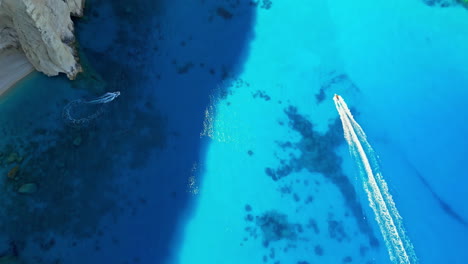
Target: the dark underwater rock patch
pixel 317 155
pixel 185 68
pixel 224 13
pixel 261 94
pixel 263 4
pixel 333 80
pixel 440 3
pixel 313 225
pixel 266 4
pixel 275 226
pixel 318 250
pixel 336 230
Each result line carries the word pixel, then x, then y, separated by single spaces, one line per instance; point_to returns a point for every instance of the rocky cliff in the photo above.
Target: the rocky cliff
pixel 43 29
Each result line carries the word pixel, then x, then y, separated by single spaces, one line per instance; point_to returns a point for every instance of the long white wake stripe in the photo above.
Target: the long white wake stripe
pixel 389 220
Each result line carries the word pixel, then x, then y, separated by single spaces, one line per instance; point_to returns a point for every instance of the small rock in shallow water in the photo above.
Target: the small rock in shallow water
pixel 13 172
pixel 28 188
pixel 275 226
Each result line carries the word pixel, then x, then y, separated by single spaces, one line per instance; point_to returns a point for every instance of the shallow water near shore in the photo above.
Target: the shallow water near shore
pixel 225 145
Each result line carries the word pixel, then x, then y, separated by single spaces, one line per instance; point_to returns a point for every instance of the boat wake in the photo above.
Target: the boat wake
pixel 84 121
pixel 399 247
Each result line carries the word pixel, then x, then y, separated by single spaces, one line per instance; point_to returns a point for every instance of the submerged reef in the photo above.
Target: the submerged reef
pixel 336 229
pixel 440 3
pixel 271 225
pixel 277 233
pixel 275 226
pixel 446 3
pixel 317 155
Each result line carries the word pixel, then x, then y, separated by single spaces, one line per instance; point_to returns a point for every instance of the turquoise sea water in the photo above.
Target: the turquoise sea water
pixel 225 145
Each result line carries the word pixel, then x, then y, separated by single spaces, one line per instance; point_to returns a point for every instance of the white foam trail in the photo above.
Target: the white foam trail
pixel 399 247
pixel 80 122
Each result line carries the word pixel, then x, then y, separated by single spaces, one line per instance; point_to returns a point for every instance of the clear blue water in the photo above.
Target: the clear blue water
pixel 225 145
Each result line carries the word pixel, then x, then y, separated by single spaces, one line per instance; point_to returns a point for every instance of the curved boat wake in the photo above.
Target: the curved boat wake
pixel 84 121
pixel 399 247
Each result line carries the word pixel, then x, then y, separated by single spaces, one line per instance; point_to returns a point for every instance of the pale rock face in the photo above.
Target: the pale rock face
pixel 44 31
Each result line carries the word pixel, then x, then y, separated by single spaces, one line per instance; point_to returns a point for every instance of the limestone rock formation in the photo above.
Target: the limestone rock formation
pixel 43 29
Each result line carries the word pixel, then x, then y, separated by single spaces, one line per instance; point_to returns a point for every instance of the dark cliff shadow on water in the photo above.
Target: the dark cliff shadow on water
pixel 166 58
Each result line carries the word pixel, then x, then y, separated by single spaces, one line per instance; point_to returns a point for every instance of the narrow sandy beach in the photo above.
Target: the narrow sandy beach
pixel 13 67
